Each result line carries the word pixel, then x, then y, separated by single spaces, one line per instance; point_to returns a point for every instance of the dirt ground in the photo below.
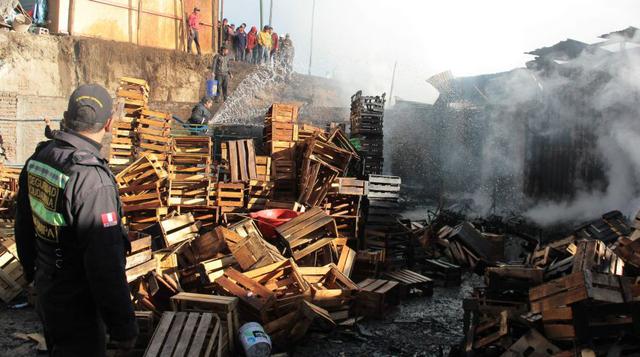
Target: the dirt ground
pixel 420 326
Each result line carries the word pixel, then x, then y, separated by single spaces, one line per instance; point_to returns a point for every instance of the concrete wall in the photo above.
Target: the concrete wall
pixel 38 73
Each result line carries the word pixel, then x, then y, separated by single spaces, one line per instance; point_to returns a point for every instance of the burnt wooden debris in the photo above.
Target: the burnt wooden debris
pixel 200 266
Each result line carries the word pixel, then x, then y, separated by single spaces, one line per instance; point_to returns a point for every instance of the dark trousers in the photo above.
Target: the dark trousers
pixel 72 325
pixel 240 54
pixel 193 37
pixel 223 84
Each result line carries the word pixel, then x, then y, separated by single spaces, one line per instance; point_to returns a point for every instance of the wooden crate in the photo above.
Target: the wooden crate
pixel 283 279
pixel 411 281
pixel 488 332
pixel 531 343
pixel 255 295
pixel 153 132
pixel 308 232
pixel 449 274
pixel 595 256
pixel 319 149
pixel 229 194
pixel 376 296
pixel 241 157
pixel 141 184
pixel 282 112
pixel 583 322
pixel 253 252
pixel 349 186
pixel 191 193
pixel 628 248
pixel 293 325
pixel 260 192
pixel 384 187
pixel 330 288
pixel 263 168
pixel 179 229
pixel 186 333
pixel 579 286
pixel 315 183
pixel 209 270
pixel 225 307
pixel 12 279
pixel 139 261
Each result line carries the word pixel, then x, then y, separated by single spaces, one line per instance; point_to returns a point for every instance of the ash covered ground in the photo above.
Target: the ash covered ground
pixel 419 326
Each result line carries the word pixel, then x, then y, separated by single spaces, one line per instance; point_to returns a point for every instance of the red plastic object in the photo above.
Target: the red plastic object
pixel 269 219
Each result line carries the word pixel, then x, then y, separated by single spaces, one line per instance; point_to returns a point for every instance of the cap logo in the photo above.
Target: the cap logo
pixel 89 98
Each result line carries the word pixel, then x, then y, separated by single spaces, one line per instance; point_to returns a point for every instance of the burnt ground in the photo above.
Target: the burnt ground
pixel 419 326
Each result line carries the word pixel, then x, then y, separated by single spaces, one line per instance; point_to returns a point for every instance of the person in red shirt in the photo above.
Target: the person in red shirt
pixel 194 25
pixel 252 42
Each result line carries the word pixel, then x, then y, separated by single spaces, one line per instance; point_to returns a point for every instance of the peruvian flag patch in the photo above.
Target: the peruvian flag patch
pixel 109 219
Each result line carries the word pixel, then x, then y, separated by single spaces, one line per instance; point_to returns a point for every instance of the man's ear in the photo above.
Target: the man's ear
pixel 107 125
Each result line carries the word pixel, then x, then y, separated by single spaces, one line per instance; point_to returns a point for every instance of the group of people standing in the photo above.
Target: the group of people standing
pixel 256 47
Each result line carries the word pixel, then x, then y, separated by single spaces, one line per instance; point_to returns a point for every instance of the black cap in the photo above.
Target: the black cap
pixel 93 96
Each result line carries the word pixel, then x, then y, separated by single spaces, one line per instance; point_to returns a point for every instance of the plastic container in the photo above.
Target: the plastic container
pixel 269 219
pixel 212 87
pixel 255 342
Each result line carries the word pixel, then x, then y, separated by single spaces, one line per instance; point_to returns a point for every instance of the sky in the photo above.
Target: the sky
pixel 357 42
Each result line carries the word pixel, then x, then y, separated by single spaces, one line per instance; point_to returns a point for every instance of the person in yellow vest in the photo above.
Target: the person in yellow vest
pixel 264 41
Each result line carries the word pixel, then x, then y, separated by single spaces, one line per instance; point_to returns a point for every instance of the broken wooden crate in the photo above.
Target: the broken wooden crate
pixel 186 334
pixel 284 280
pixel 260 192
pixel 594 255
pixel 230 195
pixel 12 279
pixel 256 297
pixel 531 343
pixel 179 229
pixel 308 232
pixel 489 331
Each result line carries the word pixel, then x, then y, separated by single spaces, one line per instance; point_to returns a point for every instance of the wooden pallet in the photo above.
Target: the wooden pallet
pixel 225 307
pixel 308 232
pixel 579 286
pixel 12 279
pixel 411 281
pixel 241 157
pixel 595 256
pixel 376 296
pixel 229 194
pixel 182 334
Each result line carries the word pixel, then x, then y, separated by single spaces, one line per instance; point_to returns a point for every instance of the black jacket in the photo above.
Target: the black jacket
pixel 200 115
pixel 68 230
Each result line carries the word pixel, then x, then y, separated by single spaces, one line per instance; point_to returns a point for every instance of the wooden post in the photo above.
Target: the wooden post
pixel 72 8
pixel 138 30
pixel 271 13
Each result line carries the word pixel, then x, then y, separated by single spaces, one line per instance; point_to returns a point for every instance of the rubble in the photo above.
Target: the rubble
pixel 212 248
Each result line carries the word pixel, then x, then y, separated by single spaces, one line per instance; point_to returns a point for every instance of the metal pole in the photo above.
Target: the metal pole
pixel 261 24
pixel 313 15
pixel 393 81
pixel 271 13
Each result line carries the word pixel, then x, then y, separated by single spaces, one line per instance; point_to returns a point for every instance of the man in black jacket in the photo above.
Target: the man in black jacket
pixel 69 234
pixel 222 72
